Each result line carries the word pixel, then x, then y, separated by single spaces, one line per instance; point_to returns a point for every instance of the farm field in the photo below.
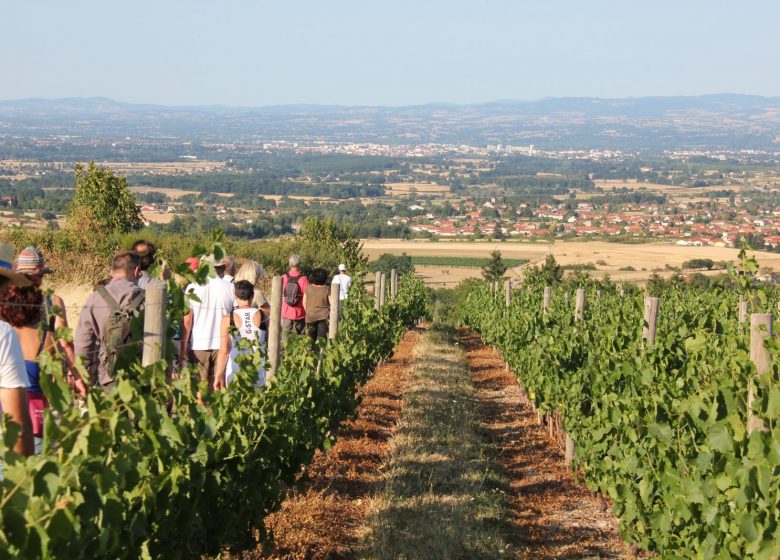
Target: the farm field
pixel 164 167
pixel 671 190
pixel 647 256
pixel 406 188
pixel 171 193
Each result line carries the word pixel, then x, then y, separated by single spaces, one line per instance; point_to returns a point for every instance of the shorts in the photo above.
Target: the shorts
pixel 297 326
pixel 207 359
pixel 317 329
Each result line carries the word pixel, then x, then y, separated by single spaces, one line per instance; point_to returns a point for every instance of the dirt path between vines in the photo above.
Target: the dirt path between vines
pixel 325 519
pixel 549 514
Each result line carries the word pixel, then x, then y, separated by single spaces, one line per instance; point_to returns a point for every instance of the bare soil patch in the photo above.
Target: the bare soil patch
pixel 325 518
pixel 551 516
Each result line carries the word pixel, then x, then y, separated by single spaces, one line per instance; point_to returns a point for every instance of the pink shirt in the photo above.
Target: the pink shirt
pixel 297 312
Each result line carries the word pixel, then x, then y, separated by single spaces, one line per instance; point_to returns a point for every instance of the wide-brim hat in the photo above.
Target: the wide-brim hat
pixel 7 276
pixel 31 261
pixel 212 260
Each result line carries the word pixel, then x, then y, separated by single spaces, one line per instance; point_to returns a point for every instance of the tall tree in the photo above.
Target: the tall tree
pixel 495 269
pixel 103 203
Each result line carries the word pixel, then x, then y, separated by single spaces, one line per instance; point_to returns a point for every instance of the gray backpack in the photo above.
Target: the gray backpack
pixel 115 334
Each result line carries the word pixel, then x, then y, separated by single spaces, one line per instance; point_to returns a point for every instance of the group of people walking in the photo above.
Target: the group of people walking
pixel 227 317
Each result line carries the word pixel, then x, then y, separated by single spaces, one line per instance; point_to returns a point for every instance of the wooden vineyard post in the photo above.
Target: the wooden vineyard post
pixel 743 309
pixel 569 450
pixel 275 326
pixel 377 282
pixel 155 326
pixel 507 293
pixel 761 328
pixel 547 299
pixel 579 307
pixel 579 315
pixel 393 284
pixel 382 291
pixel 333 322
pixel 651 320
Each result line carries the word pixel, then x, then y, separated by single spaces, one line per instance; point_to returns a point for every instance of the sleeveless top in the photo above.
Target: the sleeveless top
pixel 243 319
pixel 34 370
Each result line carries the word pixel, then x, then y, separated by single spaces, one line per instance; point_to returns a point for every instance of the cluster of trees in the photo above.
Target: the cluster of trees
pixel 256 183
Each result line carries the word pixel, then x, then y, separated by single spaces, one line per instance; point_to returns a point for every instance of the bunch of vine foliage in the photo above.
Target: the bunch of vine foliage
pixel 150 470
pixel 660 429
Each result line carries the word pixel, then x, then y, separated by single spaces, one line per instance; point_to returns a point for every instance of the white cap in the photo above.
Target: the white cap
pixel 342 267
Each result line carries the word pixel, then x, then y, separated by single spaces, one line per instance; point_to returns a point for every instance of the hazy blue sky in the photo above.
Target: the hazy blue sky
pixel 392 52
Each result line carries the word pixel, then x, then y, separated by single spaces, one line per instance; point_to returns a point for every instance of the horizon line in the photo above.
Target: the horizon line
pixel 389 106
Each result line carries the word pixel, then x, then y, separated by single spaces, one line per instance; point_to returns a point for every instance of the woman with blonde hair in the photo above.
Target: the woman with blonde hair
pixel 252 272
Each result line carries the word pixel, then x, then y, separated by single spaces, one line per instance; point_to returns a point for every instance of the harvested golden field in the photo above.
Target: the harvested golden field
pixel 669 190
pixel 446 276
pixel 406 188
pixel 609 258
pixel 158 217
pixel 171 193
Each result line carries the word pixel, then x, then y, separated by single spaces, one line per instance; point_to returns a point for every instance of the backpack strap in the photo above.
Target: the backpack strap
pixel 131 308
pixel 50 318
pixel 136 302
pixel 108 299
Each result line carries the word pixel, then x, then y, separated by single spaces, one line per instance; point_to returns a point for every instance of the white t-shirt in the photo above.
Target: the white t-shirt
pixel 345 282
pixel 13 373
pixel 215 302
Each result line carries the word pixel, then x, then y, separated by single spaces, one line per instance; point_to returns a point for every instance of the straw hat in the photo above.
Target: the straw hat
pixel 7 276
pixel 31 261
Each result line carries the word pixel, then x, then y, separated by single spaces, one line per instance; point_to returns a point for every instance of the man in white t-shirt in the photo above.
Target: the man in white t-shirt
pixel 201 329
pixel 344 281
pixel 13 374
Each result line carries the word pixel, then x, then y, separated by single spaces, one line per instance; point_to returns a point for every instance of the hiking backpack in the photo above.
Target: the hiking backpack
pixel 292 291
pixel 115 333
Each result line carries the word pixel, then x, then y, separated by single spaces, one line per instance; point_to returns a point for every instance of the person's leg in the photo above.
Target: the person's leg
pixel 287 328
pixel 311 329
pixel 322 329
pixel 300 326
pixel 213 368
pixel 202 357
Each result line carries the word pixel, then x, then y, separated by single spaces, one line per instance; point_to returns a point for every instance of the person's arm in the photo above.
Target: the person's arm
pixel 261 302
pixel 13 388
pixel 305 301
pixel 66 347
pixel 186 330
pixel 14 402
pixel 86 335
pixel 224 353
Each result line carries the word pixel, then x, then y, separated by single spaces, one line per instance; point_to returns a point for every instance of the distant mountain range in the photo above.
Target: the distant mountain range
pixel 725 121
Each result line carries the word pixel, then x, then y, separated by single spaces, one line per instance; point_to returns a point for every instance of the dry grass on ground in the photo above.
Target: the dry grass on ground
pixel 550 515
pixel 324 519
pixel 442 495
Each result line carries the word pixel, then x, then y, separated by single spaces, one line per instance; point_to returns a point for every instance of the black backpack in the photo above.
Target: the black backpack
pixel 292 291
